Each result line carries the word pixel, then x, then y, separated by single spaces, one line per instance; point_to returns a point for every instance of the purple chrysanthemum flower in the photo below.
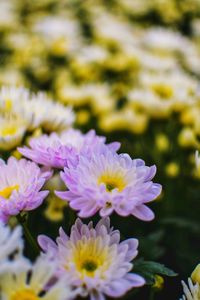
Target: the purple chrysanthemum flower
pixel 20 185
pixel 62 150
pixel 110 182
pixel 48 150
pixel 95 259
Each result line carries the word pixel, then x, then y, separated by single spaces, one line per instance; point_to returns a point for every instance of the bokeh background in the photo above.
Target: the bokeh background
pixel 130 69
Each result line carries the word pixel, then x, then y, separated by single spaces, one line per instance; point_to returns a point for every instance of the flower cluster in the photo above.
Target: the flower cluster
pixel 96 176
pixel 156 76
pixel 62 150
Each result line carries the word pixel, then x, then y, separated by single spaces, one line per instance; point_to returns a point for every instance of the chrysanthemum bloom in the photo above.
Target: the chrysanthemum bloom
pixel 11 98
pixel 35 109
pixel 110 182
pixel 11 133
pixel 11 247
pixel 25 287
pixel 63 150
pixel 95 259
pixel 20 187
pixel 191 291
pixel 48 150
pixel 49 114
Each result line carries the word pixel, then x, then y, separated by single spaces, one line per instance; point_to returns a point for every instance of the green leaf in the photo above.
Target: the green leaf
pixel 148 269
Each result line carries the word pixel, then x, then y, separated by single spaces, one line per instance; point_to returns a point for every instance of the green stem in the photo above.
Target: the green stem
pixel 152 294
pixel 21 219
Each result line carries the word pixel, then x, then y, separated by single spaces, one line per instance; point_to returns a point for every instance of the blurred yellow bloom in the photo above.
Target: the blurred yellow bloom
pixel 172 169
pixel 162 142
pixel 16 154
pixel 55 208
pixel 159 282
pixel 167 9
pixel 187 138
pixel 59 47
pixel 164 91
pixel 124 120
pixel 72 95
pixel 82 117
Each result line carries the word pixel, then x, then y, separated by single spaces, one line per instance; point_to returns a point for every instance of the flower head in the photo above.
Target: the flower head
pixel 11 247
pixel 110 182
pixel 50 115
pixel 35 109
pixel 25 287
pixel 11 133
pixel 48 150
pixel 20 185
pixel 63 150
pixel 191 291
pixel 95 259
pixel 12 98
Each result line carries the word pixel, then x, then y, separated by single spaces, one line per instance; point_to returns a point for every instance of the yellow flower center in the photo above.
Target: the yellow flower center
pixel 8 130
pixel 8 105
pixel 25 294
pixel 162 90
pixel 89 256
pixel 6 192
pixel 55 208
pixel 112 181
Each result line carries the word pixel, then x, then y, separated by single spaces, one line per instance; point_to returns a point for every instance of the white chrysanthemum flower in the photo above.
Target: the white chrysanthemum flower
pixel 114 28
pixel 192 58
pixel 96 95
pixel 11 75
pixel 164 39
pixel 159 94
pixel 91 54
pixel 12 98
pixel 156 62
pixel 24 286
pixel 11 247
pixel 149 102
pixel 34 110
pixel 52 116
pixel 56 26
pixel 8 14
pixel 191 291
pixel 11 133
pixel 136 7
pixel 52 28
pixel 13 101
